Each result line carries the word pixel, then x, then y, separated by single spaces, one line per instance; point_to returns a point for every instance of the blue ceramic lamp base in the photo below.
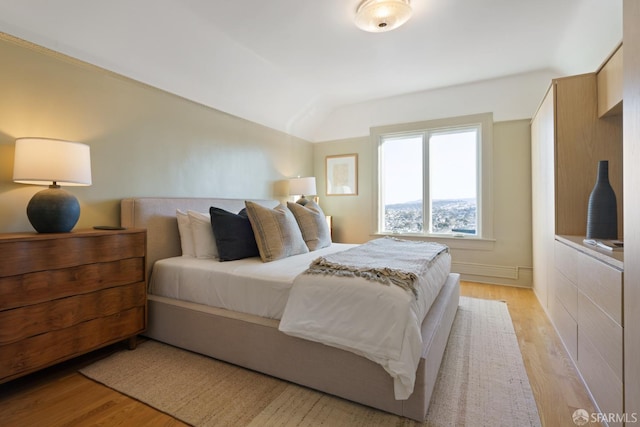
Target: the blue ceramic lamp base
pixel 53 210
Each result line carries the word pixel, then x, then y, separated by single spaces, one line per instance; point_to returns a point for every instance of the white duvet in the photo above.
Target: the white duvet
pixel 246 285
pixel 379 322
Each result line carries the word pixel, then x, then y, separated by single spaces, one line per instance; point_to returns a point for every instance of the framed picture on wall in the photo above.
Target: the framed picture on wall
pixel 342 175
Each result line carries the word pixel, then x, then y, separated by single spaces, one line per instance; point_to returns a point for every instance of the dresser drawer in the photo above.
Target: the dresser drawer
pixel 31 320
pixel 42 350
pixel 566 261
pixel 604 385
pixel 566 326
pixel 567 293
pixel 602 284
pixel 36 287
pixel 603 332
pixel 58 251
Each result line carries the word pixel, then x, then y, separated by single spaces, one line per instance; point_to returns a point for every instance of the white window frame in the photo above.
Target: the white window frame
pixel 484 182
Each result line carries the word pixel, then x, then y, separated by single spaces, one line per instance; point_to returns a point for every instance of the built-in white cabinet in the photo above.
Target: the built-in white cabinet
pixel 587 313
pixel 577 125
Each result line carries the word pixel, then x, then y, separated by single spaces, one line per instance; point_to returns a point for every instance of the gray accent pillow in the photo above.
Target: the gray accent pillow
pixel 313 224
pixel 276 232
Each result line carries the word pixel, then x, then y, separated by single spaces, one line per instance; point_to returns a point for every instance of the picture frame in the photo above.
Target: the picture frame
pixel 342 175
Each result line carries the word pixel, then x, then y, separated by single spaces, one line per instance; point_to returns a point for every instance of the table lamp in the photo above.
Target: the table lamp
pixel 53 162
pixel 302 186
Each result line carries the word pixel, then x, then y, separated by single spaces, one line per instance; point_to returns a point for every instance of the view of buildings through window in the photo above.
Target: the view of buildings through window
pixel 439 166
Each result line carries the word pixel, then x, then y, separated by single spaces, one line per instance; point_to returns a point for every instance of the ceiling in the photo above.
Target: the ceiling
pixel 292 64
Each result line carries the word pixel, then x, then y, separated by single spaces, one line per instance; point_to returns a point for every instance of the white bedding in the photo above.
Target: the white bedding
pixel 246 285
pixel 379 322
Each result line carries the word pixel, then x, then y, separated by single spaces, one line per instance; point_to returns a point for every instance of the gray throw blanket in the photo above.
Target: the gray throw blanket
pixel 387 260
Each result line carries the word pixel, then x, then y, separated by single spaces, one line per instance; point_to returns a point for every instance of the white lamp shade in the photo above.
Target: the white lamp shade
pixel 302 186
pixel 377 16
pixel 42 161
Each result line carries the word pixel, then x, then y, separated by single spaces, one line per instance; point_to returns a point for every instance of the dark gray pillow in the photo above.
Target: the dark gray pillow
pixel 234 235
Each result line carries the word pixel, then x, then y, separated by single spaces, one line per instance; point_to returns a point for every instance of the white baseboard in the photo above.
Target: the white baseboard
pixel 499 274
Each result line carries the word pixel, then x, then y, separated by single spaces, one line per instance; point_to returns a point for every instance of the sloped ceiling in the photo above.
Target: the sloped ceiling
pixel 301 66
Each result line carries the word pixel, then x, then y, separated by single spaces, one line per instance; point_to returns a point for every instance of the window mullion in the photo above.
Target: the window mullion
pixel 381 201
pixel 479 179
pixel 426 190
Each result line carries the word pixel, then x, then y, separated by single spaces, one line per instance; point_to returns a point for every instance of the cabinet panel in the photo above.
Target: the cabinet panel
pixel 566 261
pixel 542 220
pixel 602 284
pixel 567 293
pixel 604 385
pixel 610 84
pixel 604 334
pixel 565 325
pixel 631 117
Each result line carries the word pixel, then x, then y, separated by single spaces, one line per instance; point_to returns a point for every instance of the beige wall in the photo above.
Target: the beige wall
pixel 144 142
pixel 508 260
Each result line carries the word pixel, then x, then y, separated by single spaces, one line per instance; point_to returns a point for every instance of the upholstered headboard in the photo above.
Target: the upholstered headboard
pixel 158 216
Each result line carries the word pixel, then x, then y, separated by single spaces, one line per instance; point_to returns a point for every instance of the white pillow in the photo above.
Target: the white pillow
pixel 204 242
pixel 186 237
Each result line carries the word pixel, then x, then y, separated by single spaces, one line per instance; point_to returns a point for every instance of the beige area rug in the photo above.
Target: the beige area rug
pixel 482 382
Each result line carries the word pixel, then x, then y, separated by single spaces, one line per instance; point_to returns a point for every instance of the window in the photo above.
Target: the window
pixel 430 178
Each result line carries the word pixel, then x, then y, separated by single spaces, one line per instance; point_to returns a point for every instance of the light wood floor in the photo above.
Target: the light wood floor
pixel 59 396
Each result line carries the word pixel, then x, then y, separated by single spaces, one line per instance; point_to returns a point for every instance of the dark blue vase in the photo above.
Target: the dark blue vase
pixel 602 214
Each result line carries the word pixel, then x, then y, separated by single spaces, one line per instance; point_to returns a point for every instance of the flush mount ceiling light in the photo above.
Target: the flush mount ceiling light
pixel 377 16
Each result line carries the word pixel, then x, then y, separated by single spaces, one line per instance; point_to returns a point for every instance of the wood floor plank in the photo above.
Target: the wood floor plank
pixel 59 396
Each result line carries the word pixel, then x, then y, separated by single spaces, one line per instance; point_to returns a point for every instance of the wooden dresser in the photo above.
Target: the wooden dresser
pixel 62 295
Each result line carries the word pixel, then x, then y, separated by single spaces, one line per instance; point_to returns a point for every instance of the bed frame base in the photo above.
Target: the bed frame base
pixel 256 343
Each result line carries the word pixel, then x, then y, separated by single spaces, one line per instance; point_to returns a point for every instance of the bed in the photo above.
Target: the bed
pixel 249 338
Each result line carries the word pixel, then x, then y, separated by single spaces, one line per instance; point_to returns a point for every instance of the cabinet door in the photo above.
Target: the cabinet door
pixel 610 86
pixel 542 168
pixel 631 113
pixel 605 336
pixel 603 383
pixel 602 284
pixel 565 325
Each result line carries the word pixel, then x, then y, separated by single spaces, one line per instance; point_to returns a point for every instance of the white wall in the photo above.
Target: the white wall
pixel 144 142
pixel 509 98
pixel 507 261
